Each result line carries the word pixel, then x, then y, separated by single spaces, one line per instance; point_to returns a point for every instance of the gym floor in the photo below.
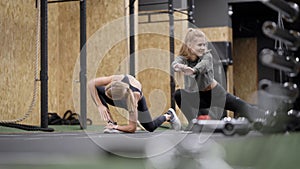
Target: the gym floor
pixel 70 147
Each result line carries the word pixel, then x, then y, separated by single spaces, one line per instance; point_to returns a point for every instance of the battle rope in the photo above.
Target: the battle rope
pixel 13 123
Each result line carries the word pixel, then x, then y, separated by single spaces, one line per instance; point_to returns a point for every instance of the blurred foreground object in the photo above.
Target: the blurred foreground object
pixel 289 10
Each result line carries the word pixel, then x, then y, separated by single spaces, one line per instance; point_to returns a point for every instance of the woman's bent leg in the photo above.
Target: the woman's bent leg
pixel 188 103
pixel 145 118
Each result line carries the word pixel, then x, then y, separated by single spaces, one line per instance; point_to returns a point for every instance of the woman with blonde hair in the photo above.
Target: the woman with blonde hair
pixel 125 91
pixel 201 90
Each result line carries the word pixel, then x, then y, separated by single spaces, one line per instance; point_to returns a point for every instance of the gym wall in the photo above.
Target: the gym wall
pixel 17 52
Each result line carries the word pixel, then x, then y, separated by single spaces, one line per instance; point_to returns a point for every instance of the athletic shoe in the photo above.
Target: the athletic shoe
pixel 174 120
pixel 110 131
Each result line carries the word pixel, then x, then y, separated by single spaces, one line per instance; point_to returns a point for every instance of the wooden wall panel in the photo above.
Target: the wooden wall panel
pixel 53 59
pixel 245 68
pixel 216 34
pixel 17 53
pixel 69 48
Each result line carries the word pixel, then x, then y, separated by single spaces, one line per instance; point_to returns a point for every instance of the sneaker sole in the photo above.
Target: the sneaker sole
pixel 111 131
pixel 176 119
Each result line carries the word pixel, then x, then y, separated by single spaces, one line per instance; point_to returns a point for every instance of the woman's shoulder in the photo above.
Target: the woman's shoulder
pixel 208 53
pixel 130 76
pixel 181 57
pixel 133 80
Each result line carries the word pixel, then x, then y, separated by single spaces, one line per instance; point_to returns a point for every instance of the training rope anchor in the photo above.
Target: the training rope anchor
pixel 14 123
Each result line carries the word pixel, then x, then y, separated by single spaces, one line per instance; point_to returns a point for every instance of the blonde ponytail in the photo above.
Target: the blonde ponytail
pixel 117 90
pixel 131 103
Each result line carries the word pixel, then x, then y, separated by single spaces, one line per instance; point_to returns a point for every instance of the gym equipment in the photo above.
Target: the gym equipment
pixel 228 126
pixel 278 98
pixel 289 37
pixel 272 59
pixel 289 10
pixel 279 122
pixel 294 122
pixel 286 92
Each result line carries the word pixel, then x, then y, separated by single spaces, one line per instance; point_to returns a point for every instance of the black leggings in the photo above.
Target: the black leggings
pixel 144 115
pixel 191 103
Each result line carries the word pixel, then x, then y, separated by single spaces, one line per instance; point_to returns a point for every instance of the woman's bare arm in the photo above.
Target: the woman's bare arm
pixel 133 116
pixel 100 81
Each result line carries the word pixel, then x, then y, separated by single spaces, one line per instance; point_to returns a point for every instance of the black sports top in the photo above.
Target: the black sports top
pixel 132 88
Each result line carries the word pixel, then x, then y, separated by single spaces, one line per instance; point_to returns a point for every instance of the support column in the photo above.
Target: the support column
pixel 44 64
pixel 132 38
pixel 172 50
pixel 83 54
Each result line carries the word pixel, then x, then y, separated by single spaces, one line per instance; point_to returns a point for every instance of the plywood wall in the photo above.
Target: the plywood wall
pixel 17 53
pixel 54 60
pixel 245 68
pixel 217 34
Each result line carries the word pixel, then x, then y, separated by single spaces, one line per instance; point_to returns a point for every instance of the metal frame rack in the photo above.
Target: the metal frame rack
pixel 44 61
